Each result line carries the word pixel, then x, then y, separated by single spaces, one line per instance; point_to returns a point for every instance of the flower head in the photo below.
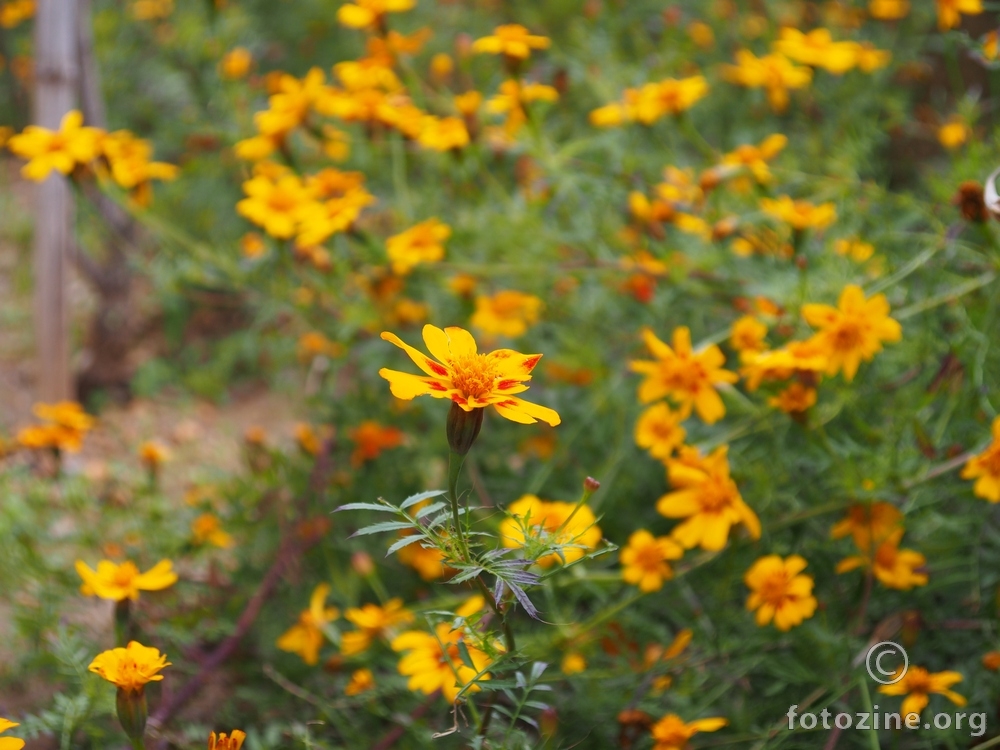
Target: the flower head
pixel 889 10
pixel 221 742
pixel 949 12
pixel 659 431
pixel 470 379
pixel 507 313
pixel 895 568
pixel 672 733
pixel 370 439
pixel 433 661
pixel 868 524
pixel 61 150
pixel 9 743
pixel 370 14
pixel 362 680
pixel 917 684
pixel 644 560
pixel 372 621
pixel 207 529
pixel 817 49
pixel 775 73
pixel 130 668
pixel 779 592
pixel 236 63
pixel 511 40
pixel 305 637
pixel 800 215
pixel 554 522
pixel 853 331
pixel 422 243
pixel 124 581
pixel 64 425
pixel 985 468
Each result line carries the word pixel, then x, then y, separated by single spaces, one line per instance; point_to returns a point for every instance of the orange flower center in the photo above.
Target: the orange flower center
pixel 125 574
pixel 473 375
pixel 990 460
pixel 715 496
pixel 774 590
pixel 280 201
pixel 649 558
pixel 848 336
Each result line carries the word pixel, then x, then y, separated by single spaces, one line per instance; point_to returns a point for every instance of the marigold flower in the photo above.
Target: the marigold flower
pixel 13 13
pixel 67 424
pixel 275 203
pixel 747 334
pixel 950 12
pixel 917 684
pixel 153 453
pixel 362 680
pixel 132 168
pixel 855 249
pixel 236 63
pixel 372 621
pixel 794 399
pixel 985 468
pixel 221 742
pixel 708 498
pixel 305 637
pixel 755 158
pixel 779 592
pixel 871 59
pixel 954 133
pixel 672 733
pixel 130 668
pixel 659 431
pixel 370 439
pixel 774 73
pixel 444 134
pixel 427 561
pixel 422 243
pixel 689 378
pixel 670 96
pixel 9 743
pixel 868 524
pixel 800 215
pixel 61 150
pixel 507 313
pixel 991 660
pixel 468 103
pixel 889 10
pixel 470 379
pixel 207 529
pixel 118 582
pixel 370 14
pixel 853 331
pixel 797 358
pixel 511 40
pixel 432 661
pixel 644 560
pixel 556 523
pixel 895 568
pixel 817 49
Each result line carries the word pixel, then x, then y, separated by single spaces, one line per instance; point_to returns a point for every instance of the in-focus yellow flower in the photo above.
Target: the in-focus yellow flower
pixel 779 592
pixel 644 560
pixel 305 637
pixel 747 334
pixel 130 668
pixel 954 133
pixel 800 215
pixel 370 14
pixel 889 10
pixel 672 733
pixel 917 685
pixel 776 74
pixel 689 378
pixel 468 378
pixel 853 331
pixel 511 40
pixel 432 661
pixel 507 313
pixel 895 568
pixel 985 468
pixel 817 49
pixel 362 680
pixel 124 581
pixel 236 63
pixel 553 522
pixel 659 431
pixel 422 243
pixel 372 622
pixel 868 524
pixel 573 663
pixel 950 12
pixel 221 742
pixel 707 497
pixel 9 743
pixel 61 150
pixel 207 529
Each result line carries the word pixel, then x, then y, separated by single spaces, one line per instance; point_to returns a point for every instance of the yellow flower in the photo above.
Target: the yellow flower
pixel 954 133
pixel 853 331
pixel 805 358
pixel 152 10
pixel 817 49
pixel 305 637
pixel 889 10
pixel 275 203
pixel 432 661
pixel 794 399
pixel 444 134
pixel 207 529
pixel 152 453
pixel 124 581
pixel 130 668
pixel 774 73
pixel 747 334
pixel 370 14
pixel 949 12
pixel 669 97
pixel 689 378
pixel 672 733
pixel 868 524
pixel 221 742
pixel 511 40
pixel 67 424
pixel 372 621
pixel 708 498
pixel 800 215
pixel 985 468
pixel 989 48
pixel 422 243
pixel 512 98
pixel 553 522
pixel 644 560
pixel 871 59
pixel 131 167
pixel 61 150
pixel 854 248
pixel 470 379
pixel 755 158
pixel 361 681
pixel 13 13
pixel 9 743
pixel 659 431
pixel 701 34
pixel 236 63
pixel 917 684
pixel 573 663
pixel 779 592
pixel 895 568
pixel 507 313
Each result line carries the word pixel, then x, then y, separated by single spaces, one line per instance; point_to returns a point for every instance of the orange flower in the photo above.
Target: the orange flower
pixel 895 568
pixel 644 560
pixel 512 40
pixel 779 592
pixel 221 742
pixel 672 733
pixel 985 468
pixel 120 582
pixel 917 684
pixel 370 439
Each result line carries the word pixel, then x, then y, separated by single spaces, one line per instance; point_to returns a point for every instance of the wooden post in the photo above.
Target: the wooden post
pixel 56 35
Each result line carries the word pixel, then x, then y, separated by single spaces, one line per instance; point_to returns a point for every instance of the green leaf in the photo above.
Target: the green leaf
pixel 405 541
pixel 420 497
pixel 378 528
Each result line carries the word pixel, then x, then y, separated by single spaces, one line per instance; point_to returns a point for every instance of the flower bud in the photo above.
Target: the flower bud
pixel 591 485
pixel 362 563
pixel 132 711
pixel 463 428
